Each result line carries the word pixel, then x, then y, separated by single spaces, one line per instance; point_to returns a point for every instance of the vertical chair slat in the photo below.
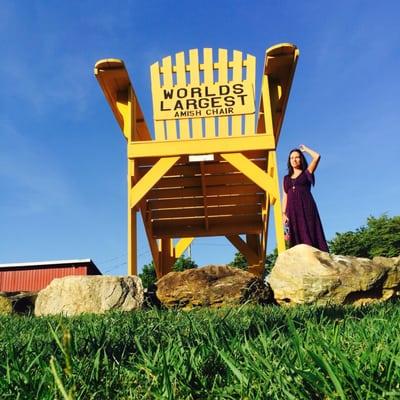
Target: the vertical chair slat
pixel 194 72
pixel 181 81
pixel 237 65
pixel 250 119
pixel 208 80
pixel 159 130
pixel 223 122
pixel 166 69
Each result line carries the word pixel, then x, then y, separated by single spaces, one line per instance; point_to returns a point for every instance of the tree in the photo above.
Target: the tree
pixel 380 237
pixel 240 261
pixel 183 263
pixel 271 260
pixel 148 275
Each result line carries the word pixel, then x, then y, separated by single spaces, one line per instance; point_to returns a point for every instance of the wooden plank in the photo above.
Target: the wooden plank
pixel 132 222
pixel 222 68
pixel 250 119
pixel 201 146
pixel 166 70
pixel 265 123
pixel 237 76
pixel 160 133
pixel 211 201
pixel 196 191
pixel 219 226
pixel 194 73
pixel 204 190
pixel 202 212
pixel 156 204
pixel 196 181
pixel 208 69
pixel 215 220
pixel 183 124
pixel 143 162
pixel 217 168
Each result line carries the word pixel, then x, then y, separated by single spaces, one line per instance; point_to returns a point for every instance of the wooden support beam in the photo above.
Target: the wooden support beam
pixel 244 248
pixel 265 225
pixel 182 245
pixel 151 178
pixel 167 258
pixel 204 190
pixel 253 172
pixel 273 168
pixel 280 65
pixel 196 191
pixel 115 83
pixel 154 248
pixel 265 118
pixel 253 241
pixel 179 202
pixel 132 224
pixel 196 228
pixel 129 132
pixel 200 146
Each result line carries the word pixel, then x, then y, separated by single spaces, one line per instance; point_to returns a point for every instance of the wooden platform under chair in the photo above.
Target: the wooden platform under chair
pixel 210 168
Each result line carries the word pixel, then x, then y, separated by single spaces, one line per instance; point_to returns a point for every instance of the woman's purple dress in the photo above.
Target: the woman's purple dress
pixel 304 222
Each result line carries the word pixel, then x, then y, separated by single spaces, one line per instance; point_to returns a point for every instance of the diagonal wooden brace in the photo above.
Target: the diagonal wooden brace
pixel 254 173
pixel 182 245
pixel 251 257
pixel 150 179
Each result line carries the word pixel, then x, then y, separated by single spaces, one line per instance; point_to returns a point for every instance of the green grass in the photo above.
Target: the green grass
pixel 244 353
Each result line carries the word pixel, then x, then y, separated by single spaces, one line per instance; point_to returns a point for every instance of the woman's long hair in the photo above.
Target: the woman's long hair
pixel 304 163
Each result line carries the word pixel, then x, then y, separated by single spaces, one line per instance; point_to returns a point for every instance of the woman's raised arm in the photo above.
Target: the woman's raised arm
pixel 314 155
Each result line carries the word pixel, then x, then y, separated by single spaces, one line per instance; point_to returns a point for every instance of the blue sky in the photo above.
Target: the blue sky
pixel 62 156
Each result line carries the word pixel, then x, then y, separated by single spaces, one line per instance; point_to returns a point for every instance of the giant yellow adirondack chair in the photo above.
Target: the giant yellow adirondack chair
pixel 211 169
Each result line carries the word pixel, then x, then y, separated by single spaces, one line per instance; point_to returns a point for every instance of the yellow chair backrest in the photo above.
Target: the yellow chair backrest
pixel 202 97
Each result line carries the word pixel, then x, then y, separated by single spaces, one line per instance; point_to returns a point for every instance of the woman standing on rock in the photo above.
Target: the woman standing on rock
pixel 300 213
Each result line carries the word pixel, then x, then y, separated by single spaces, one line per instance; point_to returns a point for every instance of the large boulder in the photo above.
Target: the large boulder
pixel 74 295
pixel 305 275
pixel 211 286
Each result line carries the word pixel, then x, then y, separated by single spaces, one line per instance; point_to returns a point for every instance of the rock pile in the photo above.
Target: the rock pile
pixel 301 275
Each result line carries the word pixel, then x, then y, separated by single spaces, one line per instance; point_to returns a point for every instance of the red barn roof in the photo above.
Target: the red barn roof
pixel 34 276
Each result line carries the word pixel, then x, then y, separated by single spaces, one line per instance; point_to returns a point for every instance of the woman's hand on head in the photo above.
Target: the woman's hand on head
pixel 302 148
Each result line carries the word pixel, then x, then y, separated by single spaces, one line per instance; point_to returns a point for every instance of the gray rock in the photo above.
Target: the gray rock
pixel 211 286
pixel 72 295
pixel 305 275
